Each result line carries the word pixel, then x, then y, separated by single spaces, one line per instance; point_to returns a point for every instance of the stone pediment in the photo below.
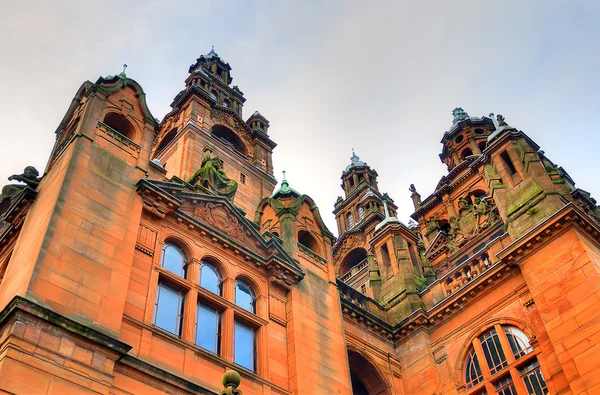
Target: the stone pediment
pixel 216 219
pixel 438 245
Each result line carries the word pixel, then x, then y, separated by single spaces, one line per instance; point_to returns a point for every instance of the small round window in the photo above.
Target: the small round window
pixel 459 139
pixel 478 131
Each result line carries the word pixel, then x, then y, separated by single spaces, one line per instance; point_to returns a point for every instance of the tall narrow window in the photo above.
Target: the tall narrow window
pixel 244 350
pixel 210 278
pixel 174 260
pixel 494 355
pixel 245 297
pixel 509 164
pixel 534 381
pixel 361 213
pixel 208 328
pixel 350 218
pixel 472 370
pixel 168 309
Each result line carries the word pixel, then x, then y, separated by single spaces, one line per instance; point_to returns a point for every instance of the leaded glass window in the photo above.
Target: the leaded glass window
pixel 473 370
pixel 519 343
pixel 533 378
pixel 494 356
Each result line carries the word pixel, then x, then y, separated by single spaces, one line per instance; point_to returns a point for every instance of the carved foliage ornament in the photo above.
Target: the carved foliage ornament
pixel 218 216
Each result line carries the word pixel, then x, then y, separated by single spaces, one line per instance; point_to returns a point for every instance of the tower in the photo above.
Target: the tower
pixel 207 114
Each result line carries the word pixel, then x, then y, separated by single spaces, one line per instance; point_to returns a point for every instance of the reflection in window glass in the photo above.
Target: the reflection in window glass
pixel 519 343
pixel 244 346
pixel 534 381
pixel 210 278
pixel 174 260
pixel 493 352
pixel 168 309
pixel 244 296
pixel 208 328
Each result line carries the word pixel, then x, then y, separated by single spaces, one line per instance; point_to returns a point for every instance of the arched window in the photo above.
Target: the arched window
pixel 245 296
pixel 308 241
pixel 229 137
pixel 361 213
pixel 210 278
pixel 174 259
pixel 120 123
pixel 213 94
pixel 350 219
pixel 465 153
pixel 225 103
pixel 166 140
pixel 497 358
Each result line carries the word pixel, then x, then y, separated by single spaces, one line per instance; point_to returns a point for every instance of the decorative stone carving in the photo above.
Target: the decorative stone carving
pixel 218 216
pixel 29 177
pixel 212 177
pixel 471 220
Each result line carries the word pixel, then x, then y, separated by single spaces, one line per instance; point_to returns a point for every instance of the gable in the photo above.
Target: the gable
pixel 214 217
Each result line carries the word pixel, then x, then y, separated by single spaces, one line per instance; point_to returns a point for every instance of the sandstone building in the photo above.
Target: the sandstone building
pixel 153 256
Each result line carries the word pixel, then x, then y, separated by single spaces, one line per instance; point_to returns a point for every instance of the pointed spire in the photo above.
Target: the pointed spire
pixel 122 74
pixel 211 53
pixel 354 161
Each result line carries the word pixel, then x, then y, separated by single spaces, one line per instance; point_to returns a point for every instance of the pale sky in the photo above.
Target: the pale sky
pixel 381 77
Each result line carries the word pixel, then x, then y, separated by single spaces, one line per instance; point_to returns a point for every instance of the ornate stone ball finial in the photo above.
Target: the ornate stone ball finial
pixel 231 381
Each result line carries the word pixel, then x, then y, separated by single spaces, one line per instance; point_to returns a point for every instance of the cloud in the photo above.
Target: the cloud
pixel 381 77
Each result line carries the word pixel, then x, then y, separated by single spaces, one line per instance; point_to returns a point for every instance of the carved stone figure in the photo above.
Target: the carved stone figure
pixel 472 219
pixel 29 177
pixel 212 177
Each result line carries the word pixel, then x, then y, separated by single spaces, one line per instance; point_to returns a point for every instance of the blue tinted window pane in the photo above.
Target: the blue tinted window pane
pixel 173 260
pixel 244 297
pixel 209 279
pixel 244 346
pixel 168 309
pixel 208 328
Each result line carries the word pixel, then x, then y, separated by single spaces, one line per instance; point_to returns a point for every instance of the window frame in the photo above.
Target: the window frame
pixel 181 251
pixel 514 364
pixel 193 296
pixel 215 268
pixel 252 293
pixel 180 308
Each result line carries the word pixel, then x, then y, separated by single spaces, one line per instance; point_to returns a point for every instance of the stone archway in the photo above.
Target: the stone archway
pixel 366 379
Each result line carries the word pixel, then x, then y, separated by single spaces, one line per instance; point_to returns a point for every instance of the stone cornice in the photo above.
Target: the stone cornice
pixel 566 218
pixel 21 304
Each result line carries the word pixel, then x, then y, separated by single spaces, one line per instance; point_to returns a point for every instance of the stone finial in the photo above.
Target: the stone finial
pixel 416 198
pixel 231 381
pixel 459 114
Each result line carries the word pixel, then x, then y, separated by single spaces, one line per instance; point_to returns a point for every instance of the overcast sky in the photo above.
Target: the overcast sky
pixel 380 77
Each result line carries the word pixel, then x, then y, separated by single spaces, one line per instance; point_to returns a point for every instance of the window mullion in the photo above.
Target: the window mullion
pixel 189 315
pixel 227 324
pixel 485 370
pixel 518 382
pixel 508 353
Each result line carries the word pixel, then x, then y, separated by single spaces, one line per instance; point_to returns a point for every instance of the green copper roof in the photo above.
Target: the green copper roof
pixel 285 190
